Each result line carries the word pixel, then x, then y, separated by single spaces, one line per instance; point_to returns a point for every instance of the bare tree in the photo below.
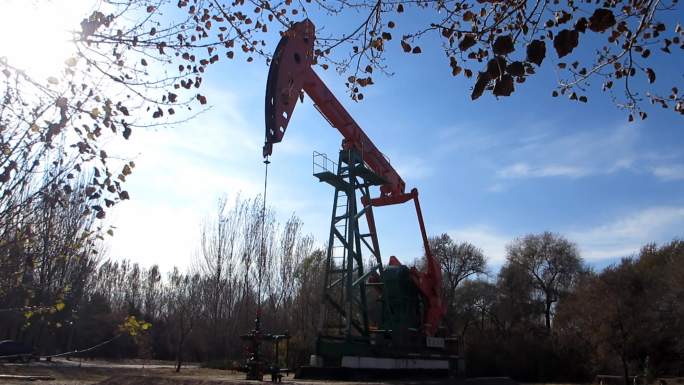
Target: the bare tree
pixel 475 303
pixel 551 262
pixel 183 301
pixel 217 264
pixel 308 274
pixel 459 261
pixel 152 293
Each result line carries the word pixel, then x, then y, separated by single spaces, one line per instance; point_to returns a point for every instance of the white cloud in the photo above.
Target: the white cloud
pixel 496 188
pixel 492 243
pixel 576 155
pixel 180 172
pixel 412 168
pixel 524 170
pixel 541 150
pixel 621 237
pixel 155 234
pixel 669 173
pixel 626 235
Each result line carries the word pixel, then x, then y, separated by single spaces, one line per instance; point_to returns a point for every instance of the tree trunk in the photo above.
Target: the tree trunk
pixel 178 360
pixel 625 368
pixel 548 316
pixel 179 354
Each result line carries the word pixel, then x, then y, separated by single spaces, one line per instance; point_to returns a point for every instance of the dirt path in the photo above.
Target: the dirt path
pixel 126 373
pixel 91 372
pixel 162 373
pixel 131 364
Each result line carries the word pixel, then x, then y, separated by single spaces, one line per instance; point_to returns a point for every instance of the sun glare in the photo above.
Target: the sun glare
pixel 36 34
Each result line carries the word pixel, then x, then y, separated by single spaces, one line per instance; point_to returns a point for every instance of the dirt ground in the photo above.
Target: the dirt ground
pixel 133 373
pixel 94 372
pixel 162 373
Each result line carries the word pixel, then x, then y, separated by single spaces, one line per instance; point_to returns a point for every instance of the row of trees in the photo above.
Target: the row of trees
pixel 49 245
pixel 59 295
pixel 547 316
pixel 544 316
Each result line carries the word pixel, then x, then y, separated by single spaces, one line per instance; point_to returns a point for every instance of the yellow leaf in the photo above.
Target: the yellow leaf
pixel 52 80
pixel 59 306
pixel 71 61
pixel 94 113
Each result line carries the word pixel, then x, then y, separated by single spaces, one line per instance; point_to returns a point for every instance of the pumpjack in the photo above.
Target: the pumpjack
pixel 375 318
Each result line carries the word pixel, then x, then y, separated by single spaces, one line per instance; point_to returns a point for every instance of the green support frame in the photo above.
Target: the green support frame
pixel 352 255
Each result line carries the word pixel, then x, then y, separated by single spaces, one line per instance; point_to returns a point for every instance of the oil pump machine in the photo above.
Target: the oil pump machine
pixel 381 318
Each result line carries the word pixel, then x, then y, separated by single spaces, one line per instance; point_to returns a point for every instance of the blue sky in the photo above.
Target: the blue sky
pixel 488 171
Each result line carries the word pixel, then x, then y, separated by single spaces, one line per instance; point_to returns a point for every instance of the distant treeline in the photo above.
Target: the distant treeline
pixel 544 317
pixel 547 317
pixel 58 295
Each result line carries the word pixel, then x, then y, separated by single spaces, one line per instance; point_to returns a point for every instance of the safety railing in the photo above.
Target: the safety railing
pixel 321 163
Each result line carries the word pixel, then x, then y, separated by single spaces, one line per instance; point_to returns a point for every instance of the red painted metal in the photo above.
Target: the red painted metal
pixel 290 75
